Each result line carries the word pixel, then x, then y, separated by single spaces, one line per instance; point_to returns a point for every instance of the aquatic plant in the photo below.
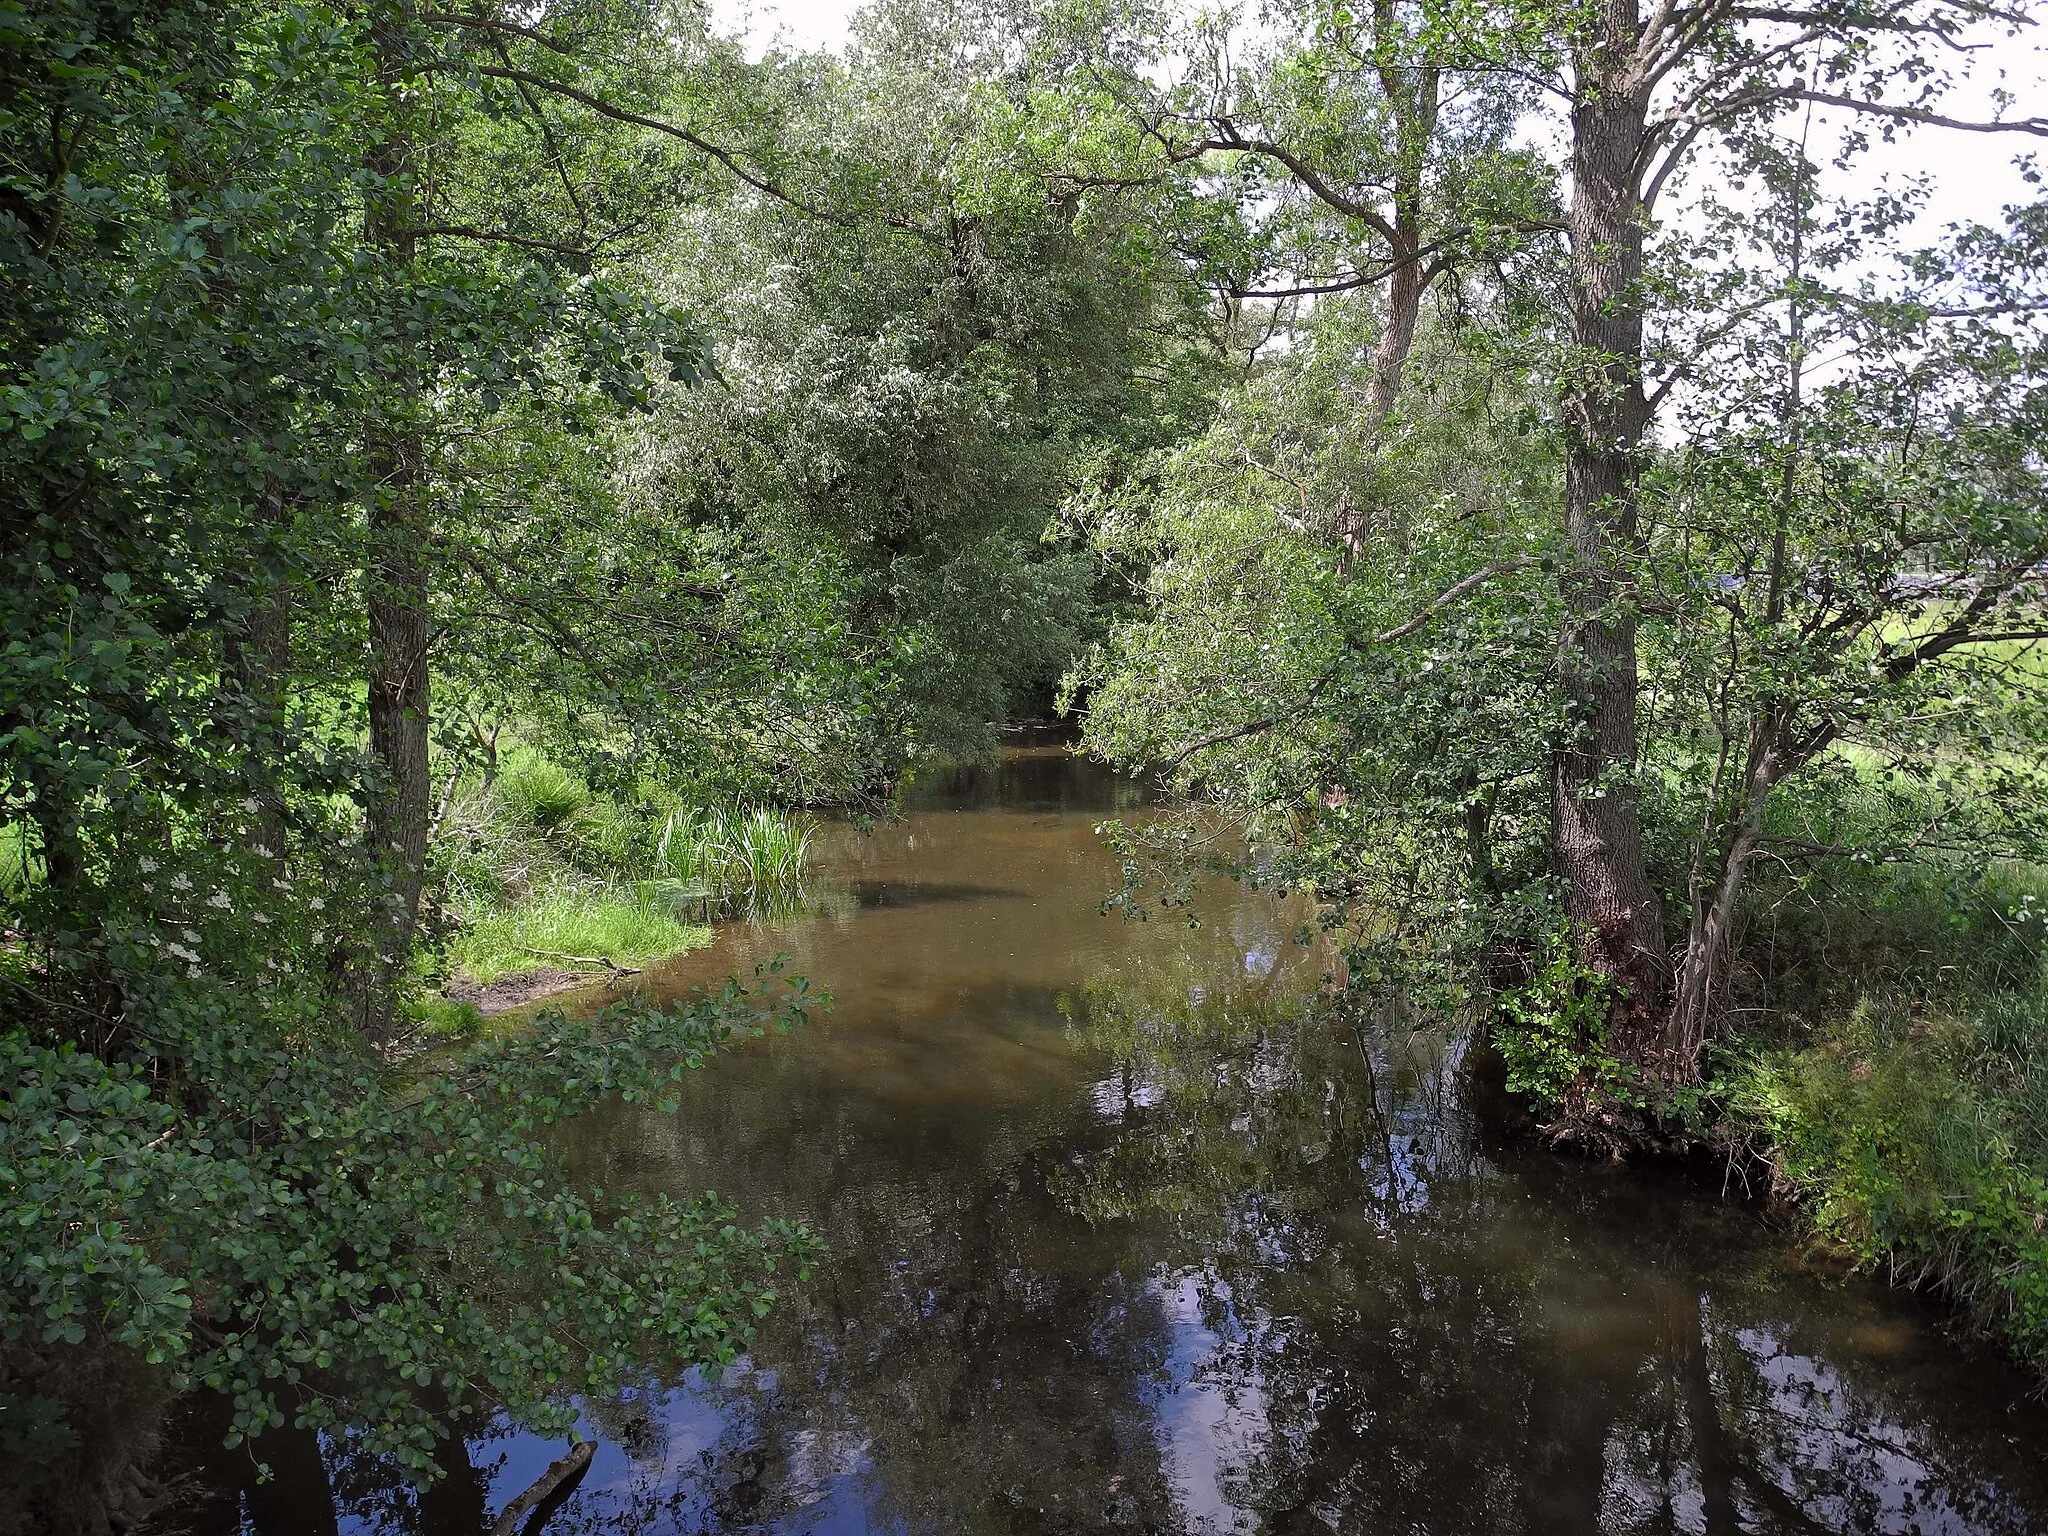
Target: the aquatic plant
pixel 751 858
pixel 761 852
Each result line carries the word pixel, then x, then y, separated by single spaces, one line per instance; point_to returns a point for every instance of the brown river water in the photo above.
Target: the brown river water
pixel 1124 1237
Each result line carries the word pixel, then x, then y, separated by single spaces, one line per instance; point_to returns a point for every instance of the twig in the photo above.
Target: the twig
pixel 604 960
pixel 447 803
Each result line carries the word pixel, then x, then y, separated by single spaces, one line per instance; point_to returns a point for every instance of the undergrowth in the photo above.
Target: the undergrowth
pixel 538 870
pixel 1892 1078
pixel 568 925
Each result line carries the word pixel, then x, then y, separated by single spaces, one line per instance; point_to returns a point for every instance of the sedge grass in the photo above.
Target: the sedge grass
pixel 751 858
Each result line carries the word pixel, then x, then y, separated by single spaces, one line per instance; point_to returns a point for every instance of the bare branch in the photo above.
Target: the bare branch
pixel 1308 176
pixel 2037 126
pixel 1345 282
pixel 723 156
pixel 1449 596
pixel 476 21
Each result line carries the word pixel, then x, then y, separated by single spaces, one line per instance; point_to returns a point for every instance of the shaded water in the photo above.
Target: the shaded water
pixel 1122 1239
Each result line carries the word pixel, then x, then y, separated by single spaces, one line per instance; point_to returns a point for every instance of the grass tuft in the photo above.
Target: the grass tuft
pixel 539 794
pixel 588 924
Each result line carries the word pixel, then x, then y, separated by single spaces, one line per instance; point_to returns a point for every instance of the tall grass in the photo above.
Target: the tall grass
pixel 1893 1074
pixel 569 923
pixel 539 862
pixel 538 793
pixel 1915 1137
pixel 750 858
pixel 21 866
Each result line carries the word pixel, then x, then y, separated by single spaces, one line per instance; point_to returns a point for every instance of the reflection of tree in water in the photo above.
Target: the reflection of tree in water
pixel 971 1358
pixel 1224 1262
pixel 1438 1341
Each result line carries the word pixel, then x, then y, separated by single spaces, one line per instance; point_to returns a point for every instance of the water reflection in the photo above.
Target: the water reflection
pixel 1128 1236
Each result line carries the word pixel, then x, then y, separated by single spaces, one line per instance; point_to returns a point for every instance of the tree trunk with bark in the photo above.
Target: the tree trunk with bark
pixel 1416 110
pixel 400 814
pixel 1596 834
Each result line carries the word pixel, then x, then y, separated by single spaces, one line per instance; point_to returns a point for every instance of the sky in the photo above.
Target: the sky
pixel 1972 176
pixel 807 25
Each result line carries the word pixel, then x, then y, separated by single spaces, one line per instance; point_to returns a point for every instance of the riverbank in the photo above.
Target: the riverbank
pixel 550 885
pixel 1912 1141
pixel 1128 1233
pixel 1891 1083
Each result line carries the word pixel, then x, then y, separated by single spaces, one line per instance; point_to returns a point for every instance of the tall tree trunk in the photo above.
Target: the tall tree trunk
pixel 1415 110
pixel 1713 1457
pixel 1405 288
pixel 1596 835
pixel 399 818
pixel 1414 97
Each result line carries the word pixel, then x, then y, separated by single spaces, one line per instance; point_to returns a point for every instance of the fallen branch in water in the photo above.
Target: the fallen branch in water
pixel 560 1477
pixel 604 960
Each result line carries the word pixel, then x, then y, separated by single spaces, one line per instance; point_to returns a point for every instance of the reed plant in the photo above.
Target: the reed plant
pixel 747 859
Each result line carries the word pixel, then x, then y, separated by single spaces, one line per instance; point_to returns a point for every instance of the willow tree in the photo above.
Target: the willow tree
pixel 1648 87
pixel 1256 675
pixel 1368 159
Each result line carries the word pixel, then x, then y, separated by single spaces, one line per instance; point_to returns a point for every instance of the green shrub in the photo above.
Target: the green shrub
pixel 1915 1142
pixel 1553 1035
pixel 606 839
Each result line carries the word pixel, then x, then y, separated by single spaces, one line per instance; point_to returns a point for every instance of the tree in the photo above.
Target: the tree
pixel 1355 117
pixel 1846 574
pixel 910 386
pixel 1646 91
pixel 1645 88
pixel 253 338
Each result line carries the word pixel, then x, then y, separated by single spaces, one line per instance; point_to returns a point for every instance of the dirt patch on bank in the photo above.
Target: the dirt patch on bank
pixel 518 989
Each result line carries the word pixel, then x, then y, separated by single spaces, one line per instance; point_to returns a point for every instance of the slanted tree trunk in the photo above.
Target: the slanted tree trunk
pixel 1415 104
pixel 1702 978
pixel 400 814
pixel 1721 859
pixel 1596 834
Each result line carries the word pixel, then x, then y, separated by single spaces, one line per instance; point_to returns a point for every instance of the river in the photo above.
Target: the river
pixel 1124 1237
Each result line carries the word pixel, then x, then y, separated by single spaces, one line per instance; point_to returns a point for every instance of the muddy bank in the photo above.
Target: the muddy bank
pixel 521 988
